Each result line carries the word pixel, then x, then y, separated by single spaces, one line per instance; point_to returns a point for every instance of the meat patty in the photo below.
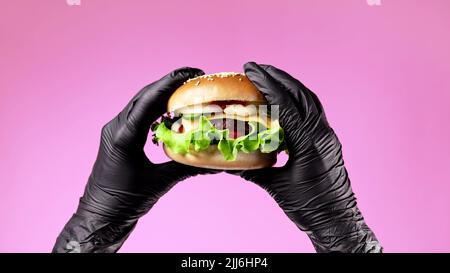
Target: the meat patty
pixel 236 127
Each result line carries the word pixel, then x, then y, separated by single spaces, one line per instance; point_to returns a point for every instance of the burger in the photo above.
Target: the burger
pixel 220 121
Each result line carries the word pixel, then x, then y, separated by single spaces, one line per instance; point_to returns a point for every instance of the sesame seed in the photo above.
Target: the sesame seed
pixel 211 77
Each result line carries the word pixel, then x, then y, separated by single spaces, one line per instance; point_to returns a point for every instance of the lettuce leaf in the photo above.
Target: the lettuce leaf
pixel 200 139
pixel 179 143
pixel 270 139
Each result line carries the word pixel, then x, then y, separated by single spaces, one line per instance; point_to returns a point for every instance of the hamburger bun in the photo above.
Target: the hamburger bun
pixel 212 158
pixel 215 87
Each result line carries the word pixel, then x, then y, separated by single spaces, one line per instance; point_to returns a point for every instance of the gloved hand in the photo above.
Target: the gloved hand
pixel 313 188
pixel 124 184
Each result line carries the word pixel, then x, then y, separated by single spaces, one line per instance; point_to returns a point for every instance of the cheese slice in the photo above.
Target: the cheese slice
pixel 192 124
pixel 241 110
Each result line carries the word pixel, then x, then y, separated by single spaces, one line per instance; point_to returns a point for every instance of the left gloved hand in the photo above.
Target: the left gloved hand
pixel 124 184
pixel 313 188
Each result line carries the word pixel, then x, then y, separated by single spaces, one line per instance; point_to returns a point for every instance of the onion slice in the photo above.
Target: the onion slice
pixel 200 109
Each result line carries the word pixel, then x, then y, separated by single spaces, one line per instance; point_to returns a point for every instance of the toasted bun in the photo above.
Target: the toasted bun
pixel 215 87
pixel 212 158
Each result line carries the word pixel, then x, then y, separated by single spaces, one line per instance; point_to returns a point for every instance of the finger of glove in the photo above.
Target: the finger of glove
pixel 261 177
pixel 151 102
pixel 276 94
pixel 168 174
pixel 305 99
pixel 130 128
pixel 178 171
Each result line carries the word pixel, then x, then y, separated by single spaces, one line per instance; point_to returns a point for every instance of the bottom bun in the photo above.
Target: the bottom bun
pixel 212 158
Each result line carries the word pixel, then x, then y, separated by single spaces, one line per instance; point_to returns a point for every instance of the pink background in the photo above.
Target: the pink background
pixel 382 73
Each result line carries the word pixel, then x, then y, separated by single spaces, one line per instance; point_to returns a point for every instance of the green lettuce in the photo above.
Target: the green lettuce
pixel 206 134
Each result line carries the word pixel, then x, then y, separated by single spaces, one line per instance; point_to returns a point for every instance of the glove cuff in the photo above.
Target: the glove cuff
pixel 84 234
pixel 344 231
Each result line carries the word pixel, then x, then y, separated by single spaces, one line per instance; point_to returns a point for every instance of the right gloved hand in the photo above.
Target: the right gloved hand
pixel 313 188
pixel 124 184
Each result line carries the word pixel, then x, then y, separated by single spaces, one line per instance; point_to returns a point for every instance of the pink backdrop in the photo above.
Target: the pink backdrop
pixel 382 73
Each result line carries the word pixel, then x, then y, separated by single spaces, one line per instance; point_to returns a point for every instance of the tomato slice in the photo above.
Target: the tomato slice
pixel 234 134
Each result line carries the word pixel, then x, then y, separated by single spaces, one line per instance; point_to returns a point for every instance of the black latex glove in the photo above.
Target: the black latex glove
pixel 124 184
pixel 313 188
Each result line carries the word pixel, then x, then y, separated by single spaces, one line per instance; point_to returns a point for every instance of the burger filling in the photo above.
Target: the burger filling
pixel 232 126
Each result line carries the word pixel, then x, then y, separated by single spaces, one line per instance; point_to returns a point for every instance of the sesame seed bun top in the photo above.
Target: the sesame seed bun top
pixel 215 87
